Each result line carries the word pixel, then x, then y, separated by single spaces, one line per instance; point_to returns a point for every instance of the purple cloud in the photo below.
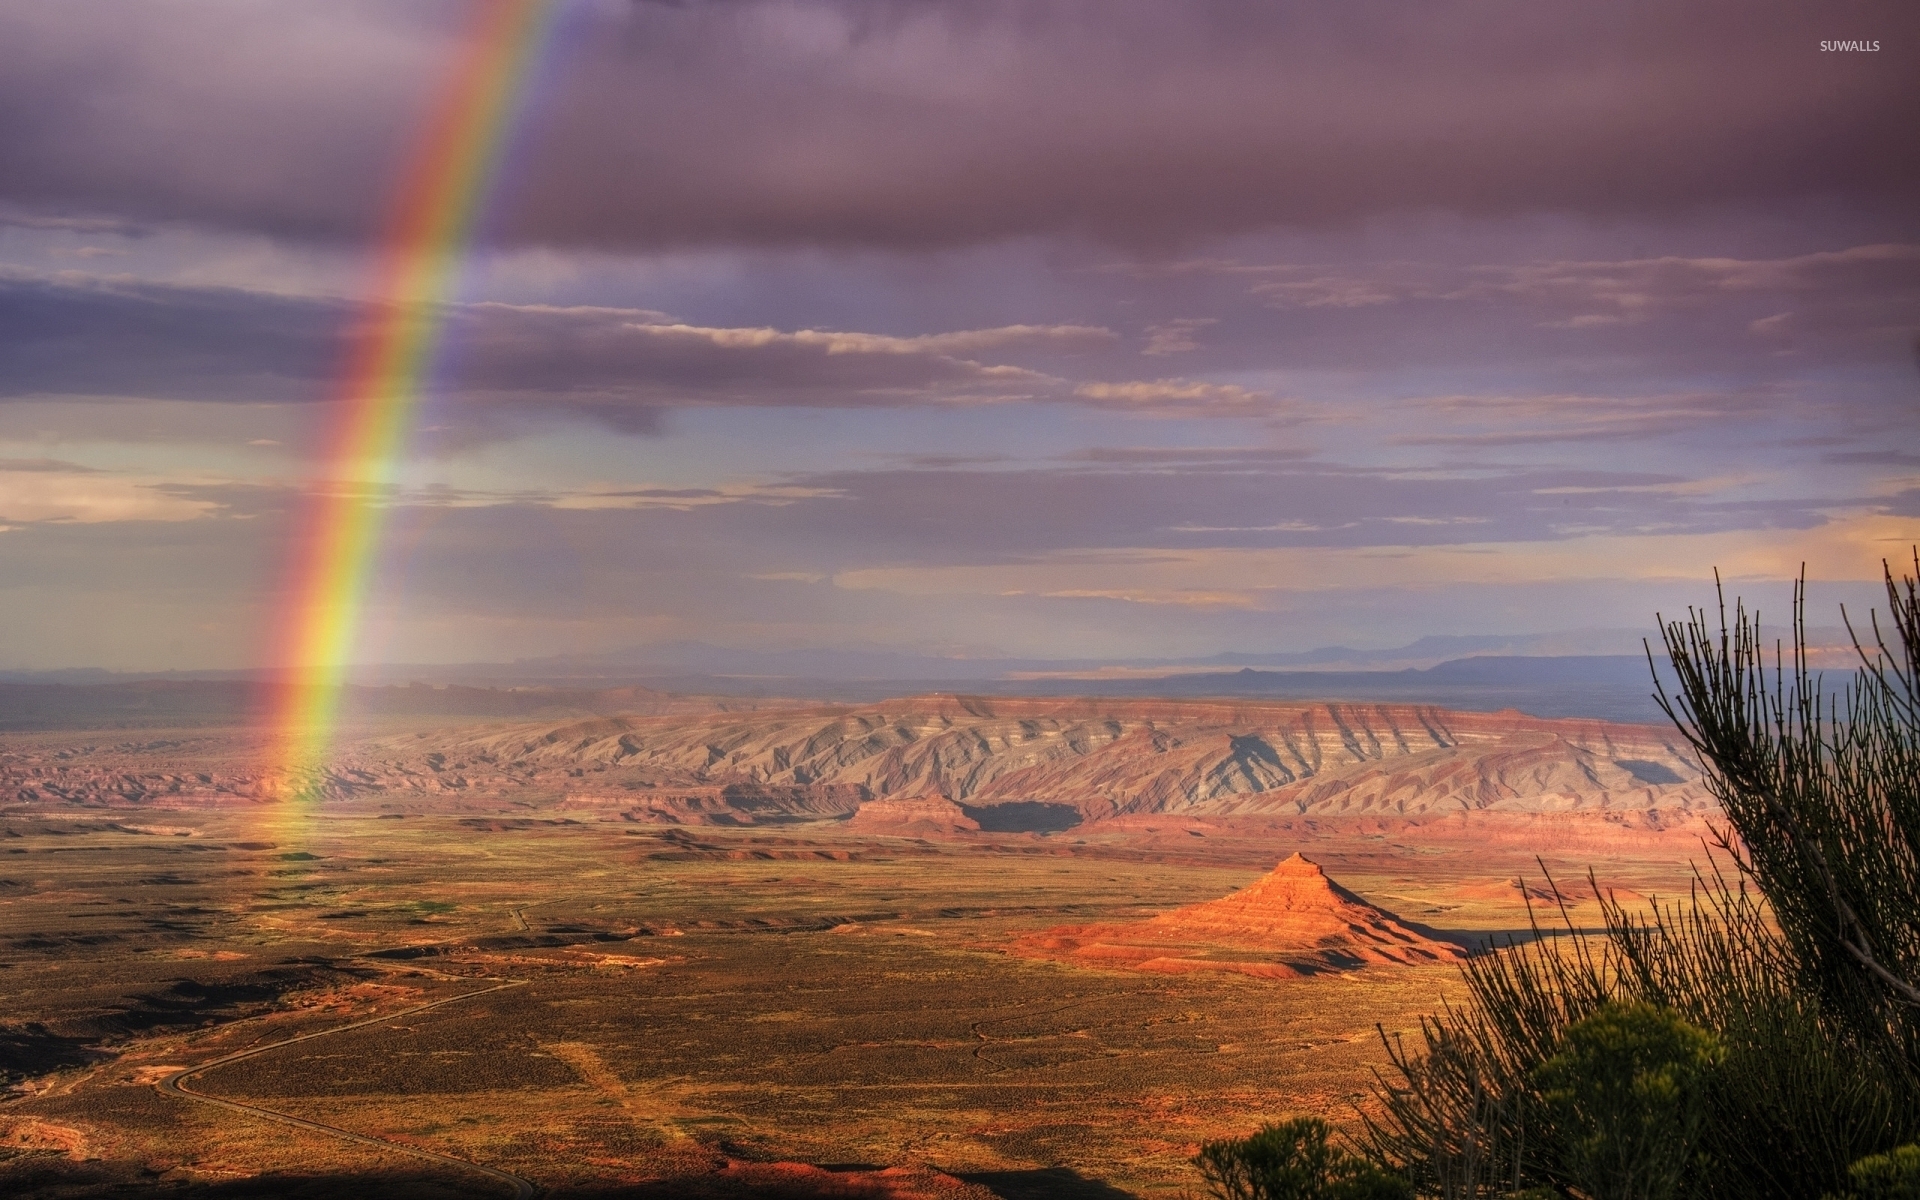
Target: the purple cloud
pixel 862 122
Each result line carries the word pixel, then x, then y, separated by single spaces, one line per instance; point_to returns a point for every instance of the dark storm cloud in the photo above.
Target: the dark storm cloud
pixel 874 122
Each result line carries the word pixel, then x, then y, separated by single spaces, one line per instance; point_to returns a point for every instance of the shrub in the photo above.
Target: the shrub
pixel 1790 1106
pixel 1294 1160
pixel 1894 1175
pixel 1799 949
pixel 1821 791
pixel 1627 1095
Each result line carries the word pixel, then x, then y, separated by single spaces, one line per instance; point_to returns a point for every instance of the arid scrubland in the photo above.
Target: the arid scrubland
pixel 764 954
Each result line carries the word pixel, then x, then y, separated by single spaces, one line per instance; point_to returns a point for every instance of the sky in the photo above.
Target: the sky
pixel 1059 330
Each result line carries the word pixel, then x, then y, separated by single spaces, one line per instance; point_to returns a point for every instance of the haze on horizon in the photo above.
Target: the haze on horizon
pixel 1059 331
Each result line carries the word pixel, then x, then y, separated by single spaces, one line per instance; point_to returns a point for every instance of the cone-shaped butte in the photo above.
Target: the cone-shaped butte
pixel 1291 921
pixel 1296 907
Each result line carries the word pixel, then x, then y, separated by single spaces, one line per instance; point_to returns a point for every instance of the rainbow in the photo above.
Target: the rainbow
pixel 394 354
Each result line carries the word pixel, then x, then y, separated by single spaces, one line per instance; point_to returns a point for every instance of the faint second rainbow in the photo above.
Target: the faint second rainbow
pixel 455 162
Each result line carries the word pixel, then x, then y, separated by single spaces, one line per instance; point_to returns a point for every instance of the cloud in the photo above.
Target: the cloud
pixel 685 499
pixel 1212 459
pixel 82 335
pixel 863 122
pixel 1274 527
pixel 1333 291
pixel 1593 294
pixel 1638 289
pixel 1588 324
pixel 1179 396
pixel 1525 420
pixel 1539 327
pixel 1176 337
pixel 825 521
pixel 77 335
pixel 604 363
pixel 922 556
pixel 967 341
pixel 1183 597
pixel 862 519
pixel 1848 548
pixel 789 577
pixel 19 219
pixel 38 491
pixel 14 466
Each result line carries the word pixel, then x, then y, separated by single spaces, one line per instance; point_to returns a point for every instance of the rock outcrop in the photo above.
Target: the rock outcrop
pixel 1292 921
pixel 927 816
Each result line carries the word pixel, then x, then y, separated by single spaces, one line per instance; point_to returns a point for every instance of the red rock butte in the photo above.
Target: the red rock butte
pixel 925 816
pixel 1291 921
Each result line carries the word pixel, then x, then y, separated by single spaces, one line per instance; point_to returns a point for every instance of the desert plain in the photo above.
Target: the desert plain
pixel 650 946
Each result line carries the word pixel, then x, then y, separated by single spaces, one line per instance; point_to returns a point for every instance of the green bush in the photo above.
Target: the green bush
pixel 1627 1095
pixel 1294 1160
pixel 1894 1175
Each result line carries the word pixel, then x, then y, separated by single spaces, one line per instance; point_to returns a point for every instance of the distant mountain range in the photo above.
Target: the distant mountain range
pixel 680 659
pixel 685 658
pixel 998 764
pixel 1591 673
pixel 1607 687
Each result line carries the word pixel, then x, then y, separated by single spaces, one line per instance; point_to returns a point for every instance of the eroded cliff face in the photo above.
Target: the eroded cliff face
pixel 1091 760
pixel 1102 758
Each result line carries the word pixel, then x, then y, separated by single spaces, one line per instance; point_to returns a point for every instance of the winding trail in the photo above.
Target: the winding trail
pixel 175 1085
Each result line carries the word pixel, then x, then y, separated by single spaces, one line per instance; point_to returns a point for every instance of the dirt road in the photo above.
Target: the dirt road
pixel 175 1085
